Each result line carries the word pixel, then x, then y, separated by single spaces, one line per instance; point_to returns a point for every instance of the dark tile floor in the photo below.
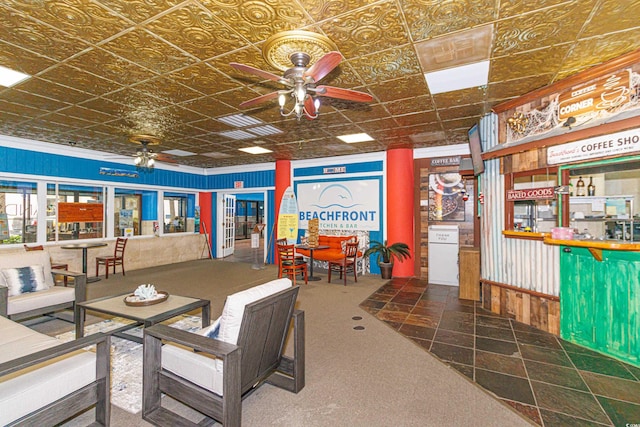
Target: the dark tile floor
pixel 548 380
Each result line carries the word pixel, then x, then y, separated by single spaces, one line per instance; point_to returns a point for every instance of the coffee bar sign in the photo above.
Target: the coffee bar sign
pixel 605 93
pixel 619 143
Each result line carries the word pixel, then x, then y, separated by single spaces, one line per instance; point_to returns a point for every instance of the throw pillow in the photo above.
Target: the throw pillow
pixel 24 279
pixel 212 330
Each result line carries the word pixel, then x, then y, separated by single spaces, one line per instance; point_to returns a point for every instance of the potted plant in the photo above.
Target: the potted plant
pixel 386 255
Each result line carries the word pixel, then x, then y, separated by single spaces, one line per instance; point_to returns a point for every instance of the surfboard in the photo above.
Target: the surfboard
pixel 288 217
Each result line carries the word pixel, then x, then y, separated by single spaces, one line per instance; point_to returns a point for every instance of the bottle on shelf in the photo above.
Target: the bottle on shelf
pixel 591 189
pixel 580 187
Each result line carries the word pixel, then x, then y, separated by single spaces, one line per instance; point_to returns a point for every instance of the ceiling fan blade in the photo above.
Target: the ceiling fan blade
pixel 260 73
pixel 310 108
pixel 324 66
pixel 260 99
pixel 348 94
pixel 165 158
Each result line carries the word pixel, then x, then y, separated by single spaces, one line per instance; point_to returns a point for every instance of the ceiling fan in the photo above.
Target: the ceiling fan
pixel 145 157
pixel 301 83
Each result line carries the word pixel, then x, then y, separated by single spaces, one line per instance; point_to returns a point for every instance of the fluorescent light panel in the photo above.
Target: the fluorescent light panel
pixel 179 153
pixel 355 137
pixel 9 77
pixel 265 130
pixel 255 150
pixel 465 76
pixel 237 134
pixel 240 120
pixel 217 155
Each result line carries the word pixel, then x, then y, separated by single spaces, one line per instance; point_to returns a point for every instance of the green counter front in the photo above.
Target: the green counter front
pixel 600 298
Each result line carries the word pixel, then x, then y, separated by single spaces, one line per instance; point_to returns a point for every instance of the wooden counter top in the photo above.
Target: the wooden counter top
pixel 595 246
pixel 598 244
pixel 524 235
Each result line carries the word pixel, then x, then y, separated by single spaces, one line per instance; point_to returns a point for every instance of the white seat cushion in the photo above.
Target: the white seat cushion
pixel 24 391
pixel 34 300
pixel 198 368
pixel 30 389
pixel 206 370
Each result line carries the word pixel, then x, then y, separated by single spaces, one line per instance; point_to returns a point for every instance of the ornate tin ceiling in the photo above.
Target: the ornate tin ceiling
pixel 104 70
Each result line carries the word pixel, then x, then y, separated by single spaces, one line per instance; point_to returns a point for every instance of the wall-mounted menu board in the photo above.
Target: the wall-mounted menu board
pixel 80 212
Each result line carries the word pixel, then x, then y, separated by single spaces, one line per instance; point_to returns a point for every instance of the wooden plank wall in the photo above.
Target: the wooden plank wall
pixel 539 311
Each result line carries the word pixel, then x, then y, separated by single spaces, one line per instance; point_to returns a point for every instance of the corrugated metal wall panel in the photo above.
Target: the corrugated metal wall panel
pixel 527 264
pixel 256 179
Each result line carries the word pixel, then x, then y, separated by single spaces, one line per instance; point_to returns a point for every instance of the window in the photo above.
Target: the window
pixel 176 212
pixel 531 203
pixel 135 212
pixel 18 212
pixel 74 212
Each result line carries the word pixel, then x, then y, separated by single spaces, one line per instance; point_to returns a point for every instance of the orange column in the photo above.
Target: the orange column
pixel 206 214
pixel 400 221
pixel 283 180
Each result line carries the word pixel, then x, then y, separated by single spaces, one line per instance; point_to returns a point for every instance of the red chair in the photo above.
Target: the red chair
pixel 290 265
pixel 116 259
pixel 347 263
pixel 54 265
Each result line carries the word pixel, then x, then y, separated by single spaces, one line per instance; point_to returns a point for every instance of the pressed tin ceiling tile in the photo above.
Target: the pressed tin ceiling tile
pixel 22 60
pixel 197 31
pixel 612 16
pixel 541 28
pixel 432 18
pixel 530 63
pixel 163 68
pixel 102 63
pixel 257 21
pixel 83 19
pixel 379 25
pixel 513 88
pixel 140 47
pixel 387 65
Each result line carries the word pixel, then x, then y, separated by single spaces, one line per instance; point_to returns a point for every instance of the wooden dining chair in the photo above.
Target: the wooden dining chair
pixel 54 265
pixel 346 264
pixel 112 260
pixel 290 265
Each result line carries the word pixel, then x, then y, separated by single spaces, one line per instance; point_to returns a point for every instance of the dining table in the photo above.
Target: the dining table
pixel 85 246
pixel 311 249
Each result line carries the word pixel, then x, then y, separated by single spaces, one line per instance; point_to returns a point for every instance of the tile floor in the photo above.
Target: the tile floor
pixel 548 380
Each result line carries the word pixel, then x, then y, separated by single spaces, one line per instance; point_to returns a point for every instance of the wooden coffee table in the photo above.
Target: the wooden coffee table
pixel 144 316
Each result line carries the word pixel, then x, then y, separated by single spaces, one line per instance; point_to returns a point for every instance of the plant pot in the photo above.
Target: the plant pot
pixel 386 270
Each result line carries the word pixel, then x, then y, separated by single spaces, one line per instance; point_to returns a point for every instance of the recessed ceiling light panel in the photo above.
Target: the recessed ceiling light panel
pixel 179 153
pixel 465 76
pixel 9 77
pixel 237 134
pixel 255 150
pixel 217 155
pixel 355 137
pixel 265 130
pixel 240 120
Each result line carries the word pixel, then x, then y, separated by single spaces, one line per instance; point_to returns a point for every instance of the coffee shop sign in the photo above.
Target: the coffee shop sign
pixel 620 143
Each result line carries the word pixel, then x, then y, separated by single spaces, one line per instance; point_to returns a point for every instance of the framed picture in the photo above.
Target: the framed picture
pixel 446 191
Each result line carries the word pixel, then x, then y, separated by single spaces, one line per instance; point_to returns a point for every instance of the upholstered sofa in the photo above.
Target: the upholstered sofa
pixel 45 382
pixel 27 286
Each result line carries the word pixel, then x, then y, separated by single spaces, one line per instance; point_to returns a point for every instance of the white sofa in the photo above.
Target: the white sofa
pixel 51 298
pixel 45 382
